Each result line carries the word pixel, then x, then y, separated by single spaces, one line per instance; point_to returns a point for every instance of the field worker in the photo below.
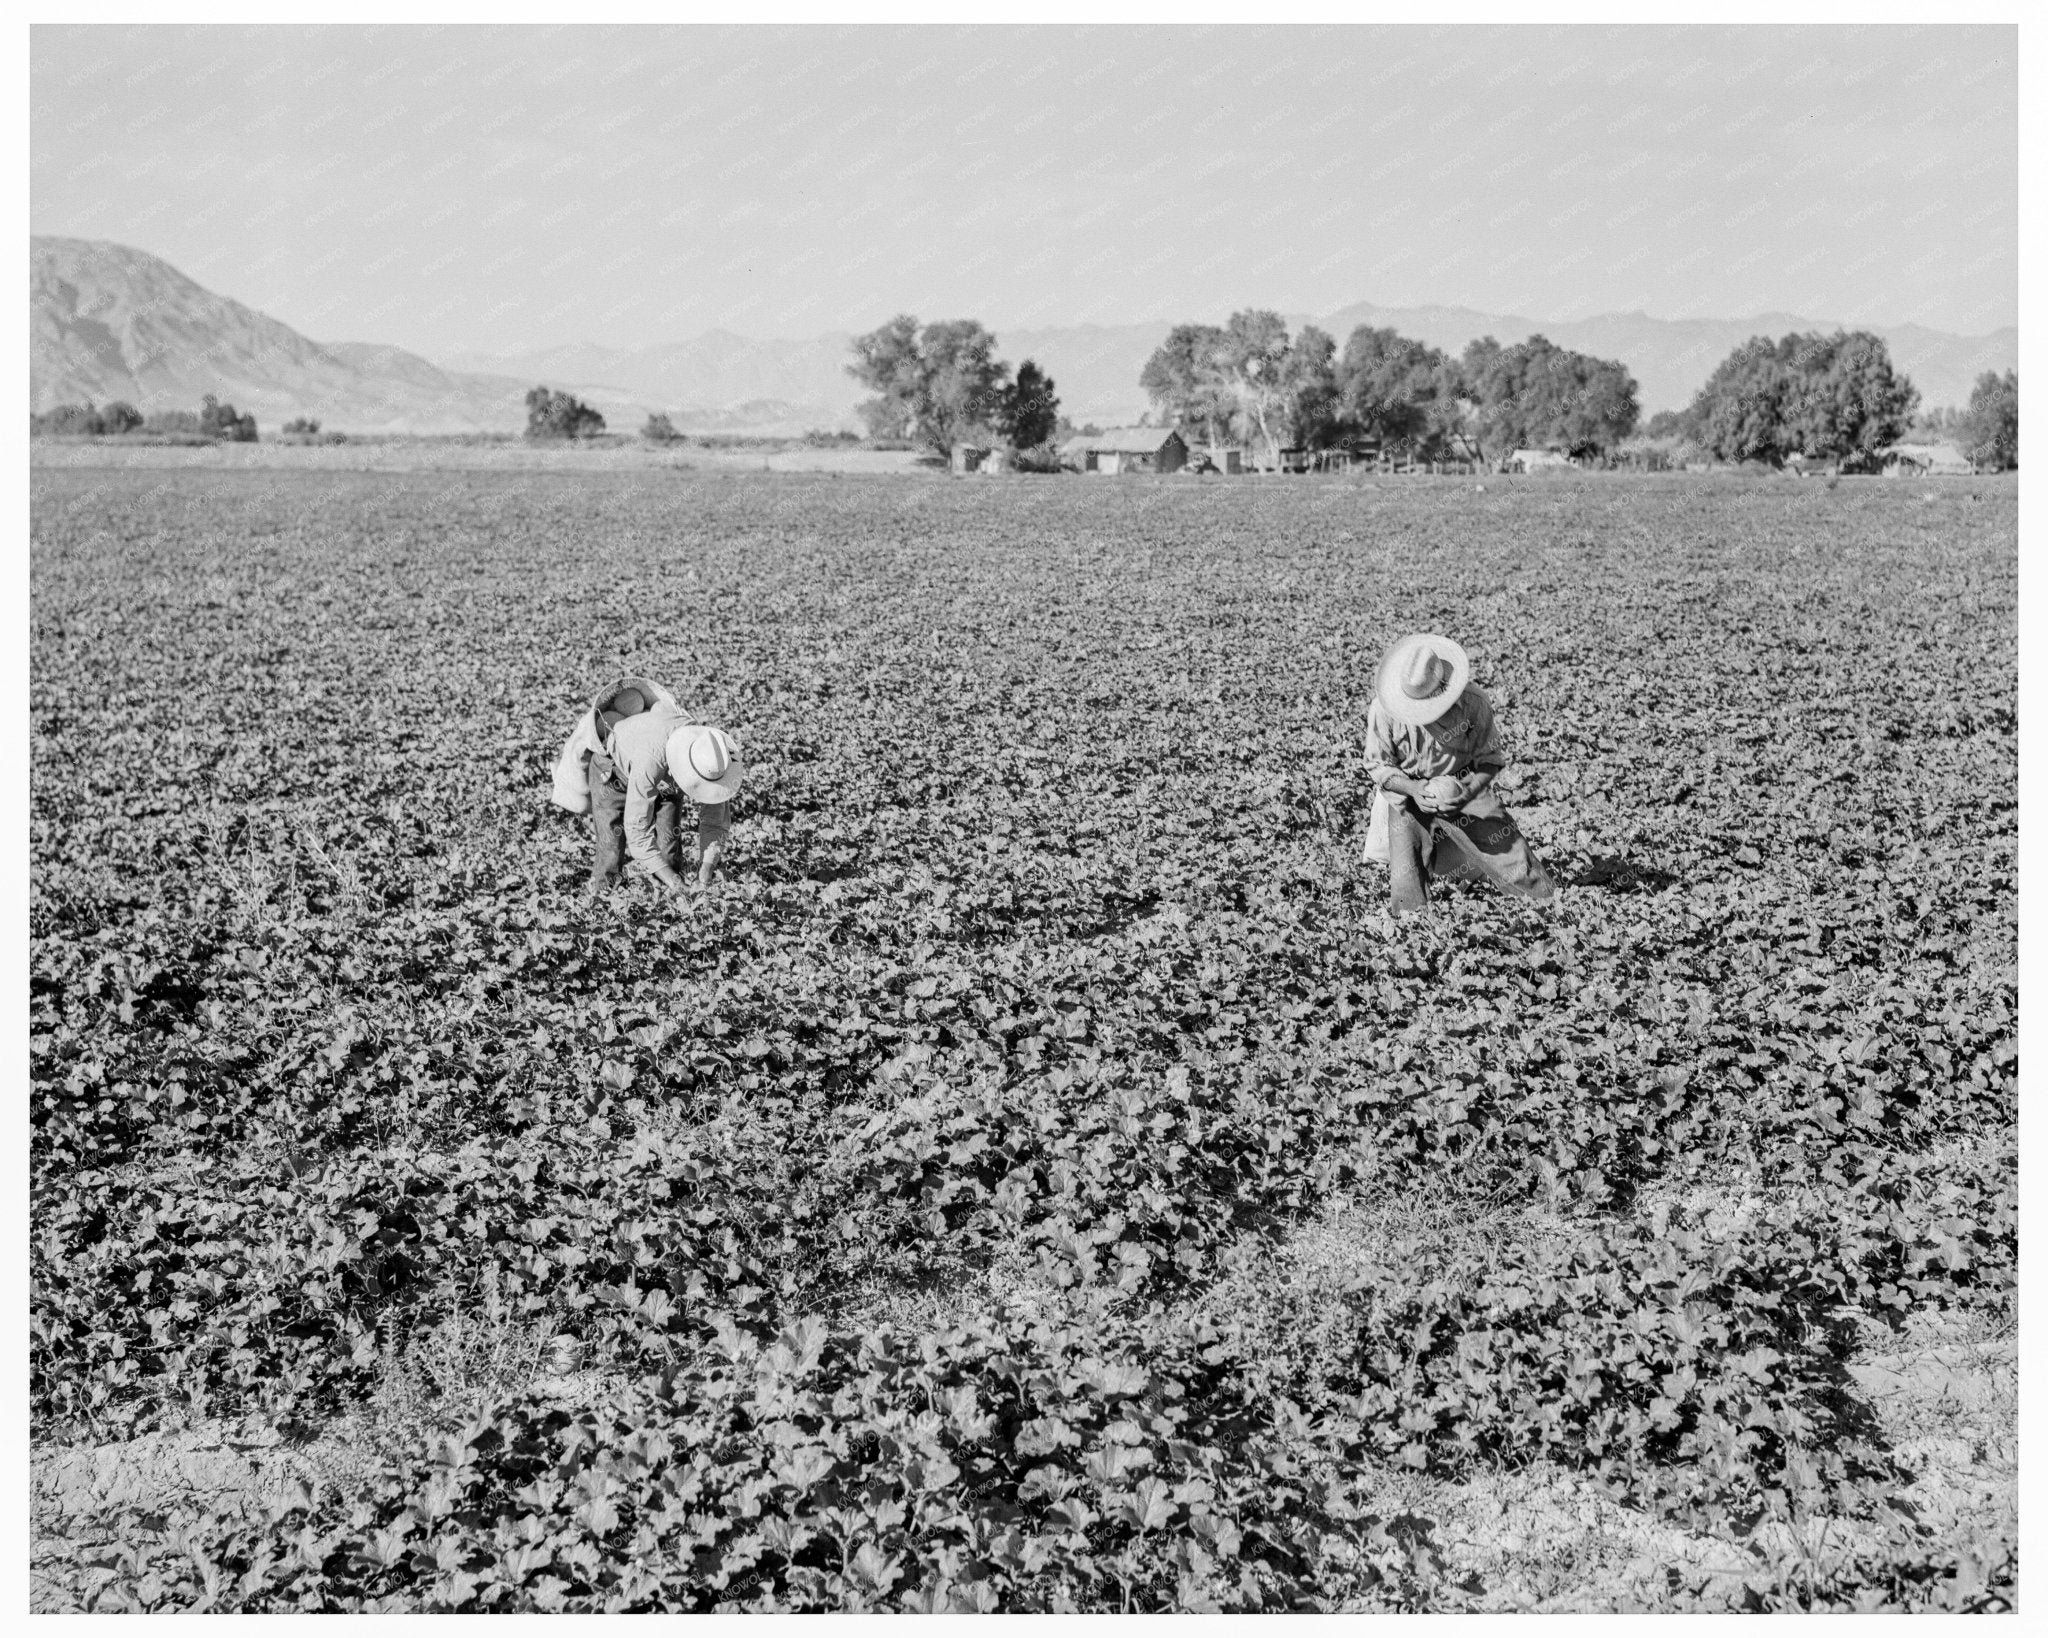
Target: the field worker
pixel 1433 753
pixel 631 761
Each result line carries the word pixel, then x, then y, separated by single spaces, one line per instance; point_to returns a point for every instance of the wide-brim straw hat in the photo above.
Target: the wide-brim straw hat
pixel 1422 677
pixel 705 762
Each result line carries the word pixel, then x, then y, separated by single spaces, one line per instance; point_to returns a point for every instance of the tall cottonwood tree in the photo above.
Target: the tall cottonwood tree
pixel 1184 378
pixel 1247 378
pixel 1310 409
pixel 1399 391
pixel 1538 395
pixel 943 379
pixel 1254 358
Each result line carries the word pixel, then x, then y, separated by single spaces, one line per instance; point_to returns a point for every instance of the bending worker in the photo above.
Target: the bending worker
pixel 630 764
pixel 1433 752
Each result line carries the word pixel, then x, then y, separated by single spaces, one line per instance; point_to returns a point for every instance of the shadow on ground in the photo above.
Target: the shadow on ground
pixel 1614 874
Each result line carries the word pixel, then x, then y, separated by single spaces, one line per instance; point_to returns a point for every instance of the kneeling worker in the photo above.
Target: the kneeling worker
pixel 630 763
pixel 1433 752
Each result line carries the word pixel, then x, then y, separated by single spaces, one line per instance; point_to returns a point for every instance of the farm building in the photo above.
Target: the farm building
pixel 1905 460
pixel 1127 449
pixel 968 457
pixel 1537 460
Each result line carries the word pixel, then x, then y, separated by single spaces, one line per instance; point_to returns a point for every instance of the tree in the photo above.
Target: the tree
pixel 218 420
pixel 1742 412
pixel 118 417
pixel 1591 402
pixel 1991 425
pixel 1398 391
pixel 1310 407
pixel 1496 422
pixel 1254 358
pixel 68 421
pixel 1538 395
pixel 887 419
pixel 889 361
pixel 1030 410
pixel 1832 398
pixel 1247 379
pixel 1846 402
pixel 944 380
pixel 558 415
pixel 659 429
pixel 1186 380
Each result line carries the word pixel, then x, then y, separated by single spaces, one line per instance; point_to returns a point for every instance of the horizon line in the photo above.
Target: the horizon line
pixel 1294 316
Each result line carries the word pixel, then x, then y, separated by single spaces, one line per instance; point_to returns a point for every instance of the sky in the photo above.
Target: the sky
pixel 493 190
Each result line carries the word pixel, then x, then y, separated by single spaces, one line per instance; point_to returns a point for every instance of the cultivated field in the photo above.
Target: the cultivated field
pixel 1041 1176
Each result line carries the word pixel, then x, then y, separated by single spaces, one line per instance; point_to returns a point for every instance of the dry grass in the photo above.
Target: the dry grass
pixel 1944 1397
pixel 441 1377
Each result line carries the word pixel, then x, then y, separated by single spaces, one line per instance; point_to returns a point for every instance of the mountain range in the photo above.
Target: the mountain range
pixel 107 322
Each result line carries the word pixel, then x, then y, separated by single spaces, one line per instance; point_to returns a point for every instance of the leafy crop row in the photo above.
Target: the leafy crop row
pixel 1050 1020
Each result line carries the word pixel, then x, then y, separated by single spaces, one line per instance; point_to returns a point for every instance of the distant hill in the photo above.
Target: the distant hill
pixel 110 322
pixel 107 321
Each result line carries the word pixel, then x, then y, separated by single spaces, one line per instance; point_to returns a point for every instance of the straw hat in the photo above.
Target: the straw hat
pixel 1422 677
pixel 705 762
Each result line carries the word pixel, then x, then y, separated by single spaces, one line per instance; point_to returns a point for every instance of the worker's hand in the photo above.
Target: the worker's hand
pixel 1444 794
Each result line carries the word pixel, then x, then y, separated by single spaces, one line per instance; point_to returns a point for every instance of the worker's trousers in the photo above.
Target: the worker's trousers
pixel 1480 839
pixel 608 825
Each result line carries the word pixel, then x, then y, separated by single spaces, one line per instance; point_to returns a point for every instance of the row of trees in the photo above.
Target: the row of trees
pixel 113 420
pixel 1821 397
pixel 941 384
pixel 1249 380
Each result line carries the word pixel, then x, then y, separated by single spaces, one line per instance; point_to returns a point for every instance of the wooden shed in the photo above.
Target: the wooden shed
pixel 1127 449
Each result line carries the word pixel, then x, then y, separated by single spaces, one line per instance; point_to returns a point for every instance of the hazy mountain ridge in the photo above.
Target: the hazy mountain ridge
pixel 107 321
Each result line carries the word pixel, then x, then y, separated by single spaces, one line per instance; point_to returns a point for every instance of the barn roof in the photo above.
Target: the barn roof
pixel 1124 440
pixel 1947 453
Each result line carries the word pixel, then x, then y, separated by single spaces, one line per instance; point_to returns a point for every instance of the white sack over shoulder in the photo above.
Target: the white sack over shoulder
pixel 572 766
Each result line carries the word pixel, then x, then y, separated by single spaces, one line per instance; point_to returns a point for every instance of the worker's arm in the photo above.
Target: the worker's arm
pixel 641 843
pixel 1383 762
pixel 714 823
pixel 1472 783
pixel 1488 760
